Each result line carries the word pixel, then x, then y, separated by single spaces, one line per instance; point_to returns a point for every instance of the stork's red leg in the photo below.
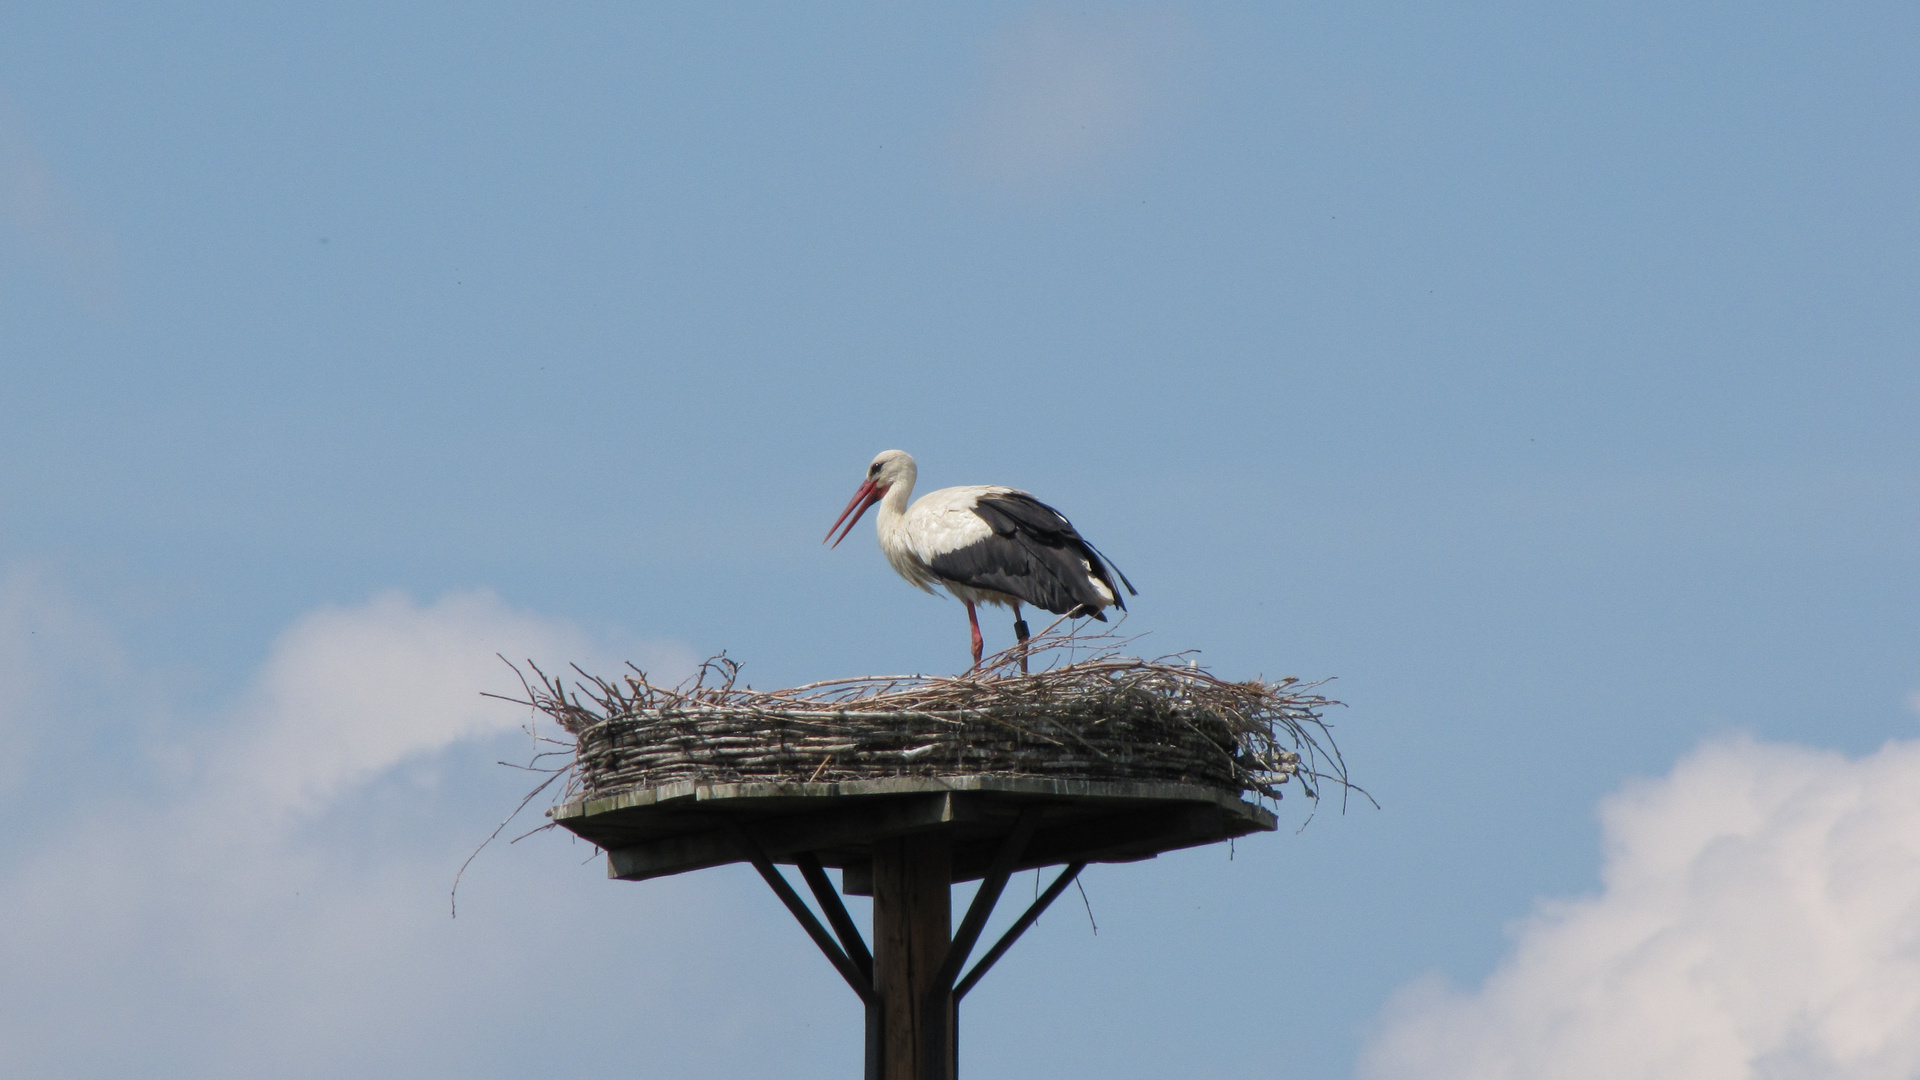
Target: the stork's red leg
pixel 973 620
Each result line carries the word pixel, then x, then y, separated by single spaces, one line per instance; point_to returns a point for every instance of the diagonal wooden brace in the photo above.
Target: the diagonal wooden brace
pixel 862 984
pixel 1020 926
pixel 836 912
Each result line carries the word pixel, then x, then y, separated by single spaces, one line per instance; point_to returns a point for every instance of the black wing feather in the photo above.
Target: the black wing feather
pixel 1034 554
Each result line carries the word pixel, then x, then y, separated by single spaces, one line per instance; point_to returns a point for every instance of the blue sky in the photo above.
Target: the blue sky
pixel 1545 374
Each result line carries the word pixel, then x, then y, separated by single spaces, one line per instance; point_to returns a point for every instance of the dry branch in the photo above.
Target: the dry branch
pixel 1105 716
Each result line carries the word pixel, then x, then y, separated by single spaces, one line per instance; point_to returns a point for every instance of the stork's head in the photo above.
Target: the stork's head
pixel 890 469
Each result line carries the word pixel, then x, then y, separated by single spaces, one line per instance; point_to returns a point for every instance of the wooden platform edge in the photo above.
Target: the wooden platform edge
pixel 1140 820
pixel 700 791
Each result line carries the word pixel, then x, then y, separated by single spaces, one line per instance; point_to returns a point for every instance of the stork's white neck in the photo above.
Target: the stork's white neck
pixel 893 505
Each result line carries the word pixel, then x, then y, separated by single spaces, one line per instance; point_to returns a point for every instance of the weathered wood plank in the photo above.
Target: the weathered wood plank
pixel 668 831
pixel 780 837
pixel 683 794
pixel 1124 837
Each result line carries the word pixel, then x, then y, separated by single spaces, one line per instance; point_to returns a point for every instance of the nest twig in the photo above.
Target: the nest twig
pixel 1085 712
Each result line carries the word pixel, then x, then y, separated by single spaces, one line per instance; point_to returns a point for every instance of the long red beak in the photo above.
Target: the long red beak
pixel 862 499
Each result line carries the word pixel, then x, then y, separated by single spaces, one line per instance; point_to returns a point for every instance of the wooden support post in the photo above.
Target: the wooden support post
pixel 912 921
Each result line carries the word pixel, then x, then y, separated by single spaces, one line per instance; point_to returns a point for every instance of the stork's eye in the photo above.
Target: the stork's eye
pixel 875 471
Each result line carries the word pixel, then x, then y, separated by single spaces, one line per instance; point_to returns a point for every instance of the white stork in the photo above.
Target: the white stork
pixel 986 544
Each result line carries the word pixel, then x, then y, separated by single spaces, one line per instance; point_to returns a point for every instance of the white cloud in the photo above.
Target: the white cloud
pixel 1759 920
pixel 282 909
pixel 1064 95
pixel 350 692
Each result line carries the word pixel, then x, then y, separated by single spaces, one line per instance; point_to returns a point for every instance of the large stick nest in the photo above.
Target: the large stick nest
pixel 1085 712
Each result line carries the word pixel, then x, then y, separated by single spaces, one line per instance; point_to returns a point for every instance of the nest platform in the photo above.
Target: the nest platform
pixel 910 784
pixel 1121 759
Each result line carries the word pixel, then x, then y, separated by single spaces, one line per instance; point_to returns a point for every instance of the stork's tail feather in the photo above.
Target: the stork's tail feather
pixel 1117 572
